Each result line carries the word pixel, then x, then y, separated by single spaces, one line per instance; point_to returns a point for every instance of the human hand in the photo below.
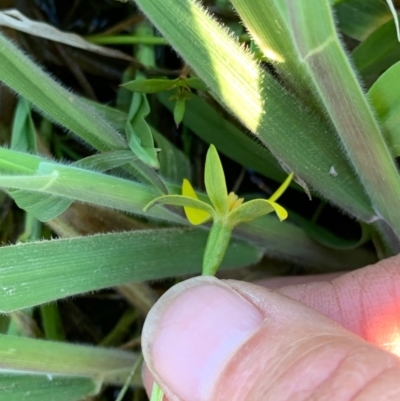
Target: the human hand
pixel 211 340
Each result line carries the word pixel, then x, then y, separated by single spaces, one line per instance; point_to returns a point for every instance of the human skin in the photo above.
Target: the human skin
pixel 332 339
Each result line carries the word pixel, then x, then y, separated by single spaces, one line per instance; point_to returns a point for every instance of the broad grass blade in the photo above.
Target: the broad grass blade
pixel 301 141
pixel 316 39
pixel 61 268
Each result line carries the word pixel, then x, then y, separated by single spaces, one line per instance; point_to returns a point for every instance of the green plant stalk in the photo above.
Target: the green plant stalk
pixel 348 108
pixel 127 40
pixel 136 40
pixel 297 138
pixel 51 322
pixel 217 244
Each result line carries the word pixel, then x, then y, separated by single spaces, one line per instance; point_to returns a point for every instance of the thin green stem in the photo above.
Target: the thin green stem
pixel 217 243
pixel 136 40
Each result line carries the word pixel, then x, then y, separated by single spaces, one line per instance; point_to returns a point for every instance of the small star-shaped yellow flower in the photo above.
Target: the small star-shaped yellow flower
pixel 226 210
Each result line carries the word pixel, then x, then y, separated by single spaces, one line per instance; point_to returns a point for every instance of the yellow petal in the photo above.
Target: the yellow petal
pixel 195 216
pixel 280 211
pixel 281 189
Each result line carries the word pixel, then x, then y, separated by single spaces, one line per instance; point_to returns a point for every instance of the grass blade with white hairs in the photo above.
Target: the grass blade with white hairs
pixel 60 359
pixel 299 139
pixel 62 106
pixel 40 272
pixel 272 35
pixel 33 173
pixel 32 387
pixel 315 36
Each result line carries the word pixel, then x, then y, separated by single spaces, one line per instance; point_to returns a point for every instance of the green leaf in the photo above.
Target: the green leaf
pixel 255 208
pixel 274 41
pixel 41 272
pixel 328 239
pixel 214 179
pixel 47 207
pixel 395 17
pixel 179 110
pixel 162 85
pixel 41 357
pixel 378 52
pixel 194 83
pixel 352 116
pixel 180 200
pixel 58 103
pixel 150 85
pixel 174 164
pixel 299 139
pixel 287 241
pixel 139 133
pixel 156 393
pixel 23 135
pixel 36 174
pixel 359 18
pixel 32 387
pixel 385 97
pixel 212 127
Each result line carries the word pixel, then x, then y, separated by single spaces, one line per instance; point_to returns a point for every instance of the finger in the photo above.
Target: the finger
pixel 211 340
pixel 365 301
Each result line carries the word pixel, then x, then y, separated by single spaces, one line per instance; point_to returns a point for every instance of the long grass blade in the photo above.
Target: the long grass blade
pixel 40 272
pixel 297 138
pixel 315 36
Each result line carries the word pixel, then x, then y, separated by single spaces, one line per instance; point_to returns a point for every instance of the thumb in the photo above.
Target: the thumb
pixel 208 340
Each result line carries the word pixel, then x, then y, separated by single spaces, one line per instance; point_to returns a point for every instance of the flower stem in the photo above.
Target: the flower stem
pixel 217 243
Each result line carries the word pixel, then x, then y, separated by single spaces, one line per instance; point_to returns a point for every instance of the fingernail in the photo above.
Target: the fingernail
pixel 191 333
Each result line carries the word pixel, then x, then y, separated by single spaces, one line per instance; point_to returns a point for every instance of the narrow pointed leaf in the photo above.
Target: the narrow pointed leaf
pixel 139 133
pixel 57 102
pixel 214 179
pixel 179 110
pixel 195 216
pixel 76 184
pixel 395 17
pixel 185 201
pixel 256 208
pixel 23 135
pixel 47 207
pixel 150 85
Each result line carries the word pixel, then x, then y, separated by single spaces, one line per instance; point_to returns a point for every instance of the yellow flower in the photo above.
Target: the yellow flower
pixel 226 210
